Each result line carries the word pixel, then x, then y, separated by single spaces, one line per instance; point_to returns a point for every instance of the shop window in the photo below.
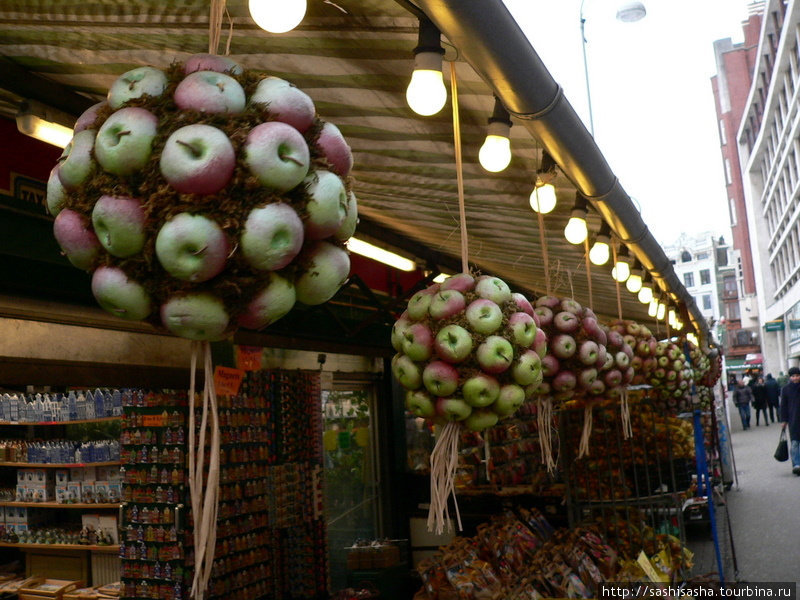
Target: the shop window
pixel 706 301
pixel 686 256
pixel 734 313
pixel 352 493
pixel 705 276
pixel 688 279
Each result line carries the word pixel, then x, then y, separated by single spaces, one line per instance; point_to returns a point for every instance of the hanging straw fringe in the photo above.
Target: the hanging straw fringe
pixel 588 269
pixel 583 449
pixel 203 494
pixel 444 461
pixel 625 412
pixel 215 25
pixel 544 419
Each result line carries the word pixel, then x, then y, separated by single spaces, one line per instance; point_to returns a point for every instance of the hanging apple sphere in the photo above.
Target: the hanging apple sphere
pixel 205 197
pixel 468 350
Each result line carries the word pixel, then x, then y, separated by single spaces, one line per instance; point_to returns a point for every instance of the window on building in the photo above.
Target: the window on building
pixel 743 337
pixel 706 301
pixel 722 137
pixel 732 210
pixel 734 314
pixel 688 279
pixel 686 256
pixel 705 276
pixel 728 172
pixel 701 256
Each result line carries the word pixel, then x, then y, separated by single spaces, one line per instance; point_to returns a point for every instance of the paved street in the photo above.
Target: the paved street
pixel 764 511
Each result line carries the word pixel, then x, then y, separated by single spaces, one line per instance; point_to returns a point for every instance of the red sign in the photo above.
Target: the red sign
pixel 227 380
pixel 248 358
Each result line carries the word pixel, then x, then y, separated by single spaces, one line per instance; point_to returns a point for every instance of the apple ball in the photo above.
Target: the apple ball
pixel 203 197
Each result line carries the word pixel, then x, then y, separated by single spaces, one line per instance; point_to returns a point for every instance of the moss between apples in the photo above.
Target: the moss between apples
pixel 229 208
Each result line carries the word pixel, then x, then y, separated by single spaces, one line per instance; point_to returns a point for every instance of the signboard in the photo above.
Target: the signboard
pixel 776 325
pixel 794 323
pixel 227 380
pixel 26 194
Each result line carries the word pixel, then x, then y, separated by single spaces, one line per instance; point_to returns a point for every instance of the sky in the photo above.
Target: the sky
pixel 651 98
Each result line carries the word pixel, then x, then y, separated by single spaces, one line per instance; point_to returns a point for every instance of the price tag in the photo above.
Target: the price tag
pixel 248 358
pixel 227 381
pixel 153 421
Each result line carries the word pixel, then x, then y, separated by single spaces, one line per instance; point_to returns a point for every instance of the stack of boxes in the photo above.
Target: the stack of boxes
pixel 35 485
pixel 88 485
pixel 20 518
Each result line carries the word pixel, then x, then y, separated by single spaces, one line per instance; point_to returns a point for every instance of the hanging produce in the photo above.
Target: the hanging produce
pixel 468 350
pixel 643 344
pixel 205 197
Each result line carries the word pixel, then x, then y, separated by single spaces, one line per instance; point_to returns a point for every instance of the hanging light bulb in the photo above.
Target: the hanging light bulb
pixel 671 317
pixel 645 294
pixel 622 268
pixel 576 230
pixel 662 309
pixel 426 94
pixel 543 197
pixel 601 249
pixel 495 154
pixel 652 308
pixel 634 282
pixel 277 16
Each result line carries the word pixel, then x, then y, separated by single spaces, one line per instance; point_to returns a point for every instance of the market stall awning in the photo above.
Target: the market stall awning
pixel 754 360
pixel 354 59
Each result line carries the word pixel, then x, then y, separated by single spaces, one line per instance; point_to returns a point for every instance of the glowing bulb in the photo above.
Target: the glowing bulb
pixel 576 230
pixel 600 252
pixel 495 154
pixel 277 16
pixel 662 309
pixel 671 317
pixel 426 94
pixel 634 283
pixel 652 309
pixel 621 271
pixel 645 294
pixel 543 198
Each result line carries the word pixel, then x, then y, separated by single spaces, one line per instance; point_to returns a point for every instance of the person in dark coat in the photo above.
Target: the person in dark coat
pixel 773 397
pixel 742 397
pixel 790 416
pixel 760 399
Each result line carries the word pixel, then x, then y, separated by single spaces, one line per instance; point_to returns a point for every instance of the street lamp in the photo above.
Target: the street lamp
pixel 630 12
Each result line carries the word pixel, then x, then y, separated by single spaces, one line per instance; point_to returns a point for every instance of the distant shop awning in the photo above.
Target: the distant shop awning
pixel 734 364
pixel 754 360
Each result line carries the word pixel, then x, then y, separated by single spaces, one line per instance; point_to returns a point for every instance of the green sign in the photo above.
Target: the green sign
pixel 794 323
pixel 776 325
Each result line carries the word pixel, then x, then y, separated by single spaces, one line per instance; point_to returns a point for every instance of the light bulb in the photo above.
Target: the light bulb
pixel 662 309
pixel 277 16
pixel 621 271
pixel 634 283
pixel 543 198
pixel 671 317
pixel 495 154
pixel 426 94
pixel 652 309
pixel 600 252
pixel 576 230
pixel 645 294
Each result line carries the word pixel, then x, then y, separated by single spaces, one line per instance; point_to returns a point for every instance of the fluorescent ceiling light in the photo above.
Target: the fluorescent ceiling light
pixel 440 278
pixel 45 131
pixel 388 258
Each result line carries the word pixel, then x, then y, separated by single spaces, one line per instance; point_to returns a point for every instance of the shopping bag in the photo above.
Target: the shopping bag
pixel 782 451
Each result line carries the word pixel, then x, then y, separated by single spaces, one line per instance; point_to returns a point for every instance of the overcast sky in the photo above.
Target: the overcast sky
pixel 652 102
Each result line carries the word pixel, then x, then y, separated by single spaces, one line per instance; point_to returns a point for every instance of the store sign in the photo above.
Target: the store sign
pixel 26 194
pixel 227 380
pixel 776 325
pixel 794 323
pixel 248 358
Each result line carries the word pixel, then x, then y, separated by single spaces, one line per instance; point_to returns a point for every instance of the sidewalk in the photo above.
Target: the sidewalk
pixel 764 510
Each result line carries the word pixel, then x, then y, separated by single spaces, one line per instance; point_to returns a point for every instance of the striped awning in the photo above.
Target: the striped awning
pixel 354 58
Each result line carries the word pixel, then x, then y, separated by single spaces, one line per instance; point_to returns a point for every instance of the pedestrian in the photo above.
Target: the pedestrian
pixel 759 389
pixel 742 397
pixel 783 379
pixel 790 415
pixel 773 398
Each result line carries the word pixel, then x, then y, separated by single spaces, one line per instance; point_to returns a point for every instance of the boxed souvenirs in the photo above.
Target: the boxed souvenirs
pixel 48 588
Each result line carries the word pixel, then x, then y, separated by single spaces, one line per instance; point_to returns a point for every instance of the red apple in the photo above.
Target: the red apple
pixel 406 372
pixel 196 316
pixel 420 404
pixel 494 289
pixel 75 164
pixel 125 141
pixel 484 316
pixel 495 354
pixel 325 268
pixel 481 419
pixel 119 224
pixel 440 378
pixel 120 295
pixel 453 344
pixel 272 236
pixel 446 303
pixel 142 81
pixel 326 208
pixel 417 342
pixel 192 247
pixel 76 238
pixel 480 390
pixel 197 159
pixel 461 282
pixel 285 103
pixel 335 149
pixel 269 304
pixel 211 62
pixel 210 92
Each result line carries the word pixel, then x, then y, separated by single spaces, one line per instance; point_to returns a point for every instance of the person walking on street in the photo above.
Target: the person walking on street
pixel 759 389
pixel 742 397
pixel 773 398
pixel 790 416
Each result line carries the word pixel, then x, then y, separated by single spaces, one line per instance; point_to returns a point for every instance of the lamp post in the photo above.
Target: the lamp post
pixel 630 12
